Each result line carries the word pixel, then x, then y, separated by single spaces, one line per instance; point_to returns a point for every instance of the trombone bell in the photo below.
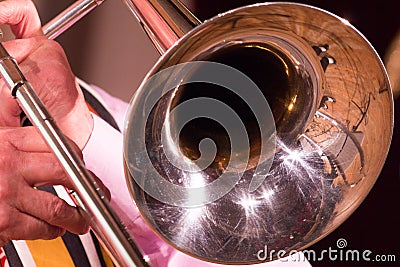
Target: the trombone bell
pixel 325 137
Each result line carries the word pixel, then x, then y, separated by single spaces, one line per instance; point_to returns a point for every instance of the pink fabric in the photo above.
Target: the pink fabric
pixel 103 156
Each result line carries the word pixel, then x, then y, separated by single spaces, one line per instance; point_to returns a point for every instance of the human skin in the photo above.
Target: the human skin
pixel 25 160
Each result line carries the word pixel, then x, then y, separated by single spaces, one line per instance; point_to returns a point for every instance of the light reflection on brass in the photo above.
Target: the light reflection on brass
pixel 333 113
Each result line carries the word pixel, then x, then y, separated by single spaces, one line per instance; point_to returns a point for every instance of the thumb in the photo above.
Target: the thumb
pixel 22 17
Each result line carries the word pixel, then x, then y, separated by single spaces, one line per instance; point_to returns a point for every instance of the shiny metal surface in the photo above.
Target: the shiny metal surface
pixel 88 197
pixel 333 124
pixel 163 21
pixel 69 17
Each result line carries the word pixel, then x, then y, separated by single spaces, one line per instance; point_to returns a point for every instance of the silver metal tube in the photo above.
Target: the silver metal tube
pixel 89 196
pixel 164 21
pixel 69 17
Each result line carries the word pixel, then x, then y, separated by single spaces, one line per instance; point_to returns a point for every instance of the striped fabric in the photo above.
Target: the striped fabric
pixel 70 250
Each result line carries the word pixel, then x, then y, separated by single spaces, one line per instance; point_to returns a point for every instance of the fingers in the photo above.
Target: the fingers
pixel 9 109
pixel 21 226
pixel 33 160
pixel 26 139
pixel 27 213
pixel 22 17
pixel 52 210
pixel 40 169
pixel 29 156
pixel 37 214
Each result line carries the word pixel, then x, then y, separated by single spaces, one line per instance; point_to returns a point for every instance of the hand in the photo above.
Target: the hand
pixel 45 65
pixel 25 160
pixel 28 213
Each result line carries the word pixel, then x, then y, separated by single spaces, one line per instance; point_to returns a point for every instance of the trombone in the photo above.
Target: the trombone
pixel 318 154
